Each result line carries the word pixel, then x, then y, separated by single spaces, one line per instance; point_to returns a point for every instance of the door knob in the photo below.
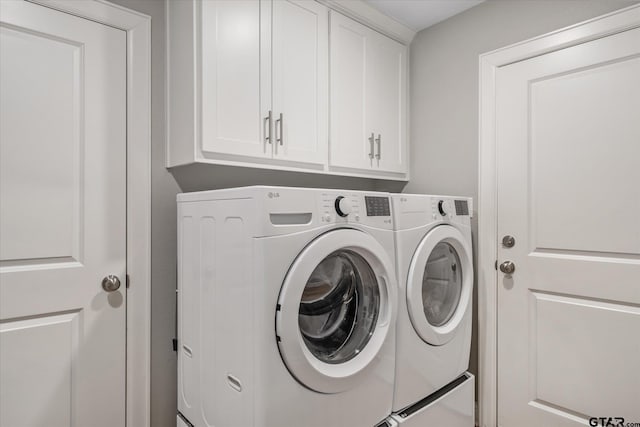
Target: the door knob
pixel 507 267
pixel 111 283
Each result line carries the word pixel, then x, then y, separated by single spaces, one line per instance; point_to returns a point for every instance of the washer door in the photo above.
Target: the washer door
pixel 335 310
pixel 439 284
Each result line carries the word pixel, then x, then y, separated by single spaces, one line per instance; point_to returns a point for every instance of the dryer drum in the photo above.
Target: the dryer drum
pixel 339 307
pixel 441 284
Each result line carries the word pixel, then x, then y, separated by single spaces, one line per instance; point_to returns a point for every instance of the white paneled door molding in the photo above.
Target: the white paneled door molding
pixel 122 136
pixel 559 171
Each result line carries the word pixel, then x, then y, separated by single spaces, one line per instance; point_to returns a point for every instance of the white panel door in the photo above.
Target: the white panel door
pixel 350 142
pixel 386 88
pixel 62 219
pixel 236 77
pixel 569 192
pixel 300 80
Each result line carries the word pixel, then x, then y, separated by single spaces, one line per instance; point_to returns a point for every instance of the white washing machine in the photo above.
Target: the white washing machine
pixel 435 278
pixel 286 307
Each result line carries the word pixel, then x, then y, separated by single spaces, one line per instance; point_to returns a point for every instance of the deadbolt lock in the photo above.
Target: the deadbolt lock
pixel 508 241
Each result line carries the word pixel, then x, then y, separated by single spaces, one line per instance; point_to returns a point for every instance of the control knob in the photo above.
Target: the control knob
pixel 441 208
pixel 343 206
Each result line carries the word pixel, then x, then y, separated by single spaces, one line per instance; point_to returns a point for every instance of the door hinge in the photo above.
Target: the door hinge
pixel 127 281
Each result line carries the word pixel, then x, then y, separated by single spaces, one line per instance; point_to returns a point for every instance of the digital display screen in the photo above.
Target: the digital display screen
pixel 462 207
pixel 377 206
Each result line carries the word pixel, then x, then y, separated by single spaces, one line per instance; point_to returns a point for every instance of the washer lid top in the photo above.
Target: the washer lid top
pixel 335 310
pixel 439 284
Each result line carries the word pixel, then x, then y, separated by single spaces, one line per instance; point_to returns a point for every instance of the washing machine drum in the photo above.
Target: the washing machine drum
pixel 439 284
pixel 339 307
pixel 334 310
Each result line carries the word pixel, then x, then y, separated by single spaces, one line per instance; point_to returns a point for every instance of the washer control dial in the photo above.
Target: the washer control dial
pixel 442 208
pixel 343 206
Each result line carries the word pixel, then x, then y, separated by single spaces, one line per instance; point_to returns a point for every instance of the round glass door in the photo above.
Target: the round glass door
pixel 439 284
pixel 335 310
pixel 339 307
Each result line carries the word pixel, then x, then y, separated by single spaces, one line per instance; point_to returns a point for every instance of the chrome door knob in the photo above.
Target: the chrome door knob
pixel 507 267
pixel 111 283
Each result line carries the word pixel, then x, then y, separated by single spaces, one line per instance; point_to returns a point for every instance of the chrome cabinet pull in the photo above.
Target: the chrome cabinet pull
pixel 379 142
pixel 371 144
pixel 267 131
pixel 280 135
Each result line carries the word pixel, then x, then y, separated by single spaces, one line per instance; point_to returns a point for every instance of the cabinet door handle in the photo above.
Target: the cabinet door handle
pixel 379 142
pixel 371 145
pixel 267 131
pixel 279 124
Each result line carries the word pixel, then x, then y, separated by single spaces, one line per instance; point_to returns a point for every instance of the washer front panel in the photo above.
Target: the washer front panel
pixel 439 284
pixel 335 310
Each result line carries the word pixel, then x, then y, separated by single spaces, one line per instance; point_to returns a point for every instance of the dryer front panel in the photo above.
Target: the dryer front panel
pixel 335 310
pixel 439 284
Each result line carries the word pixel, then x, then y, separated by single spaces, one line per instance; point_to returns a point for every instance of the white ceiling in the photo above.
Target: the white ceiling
pixel 420 14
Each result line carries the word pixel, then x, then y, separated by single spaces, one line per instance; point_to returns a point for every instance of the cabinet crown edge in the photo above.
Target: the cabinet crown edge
pixel 366 14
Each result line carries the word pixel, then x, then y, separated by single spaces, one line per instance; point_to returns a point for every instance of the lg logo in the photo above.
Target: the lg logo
pixel 273 195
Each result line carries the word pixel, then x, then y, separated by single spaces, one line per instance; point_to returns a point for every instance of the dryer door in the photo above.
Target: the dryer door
pixel 336 309
pixel 439 284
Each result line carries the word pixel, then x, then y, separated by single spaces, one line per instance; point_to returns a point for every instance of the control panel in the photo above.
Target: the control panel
pixel 417 210
pixel 356 207
pixel 448 208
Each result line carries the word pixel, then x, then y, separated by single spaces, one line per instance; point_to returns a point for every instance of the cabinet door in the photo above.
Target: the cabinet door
pixel 348 143
pixel 386 89
pixel 235 80
pixel 300 80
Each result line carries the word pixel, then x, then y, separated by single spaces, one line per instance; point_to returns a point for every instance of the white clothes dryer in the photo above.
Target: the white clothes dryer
pixel 435 278
pixel 287 303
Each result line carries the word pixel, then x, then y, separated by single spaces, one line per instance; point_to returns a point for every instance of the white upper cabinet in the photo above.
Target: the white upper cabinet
pixel 387 89
pixel 351 141
pixel 235 79
pixel 368 99
pixel 300 81
pixel 249 83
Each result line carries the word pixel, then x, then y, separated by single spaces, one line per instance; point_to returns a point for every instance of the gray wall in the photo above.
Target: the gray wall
pixel 444 88
pixel 444 151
